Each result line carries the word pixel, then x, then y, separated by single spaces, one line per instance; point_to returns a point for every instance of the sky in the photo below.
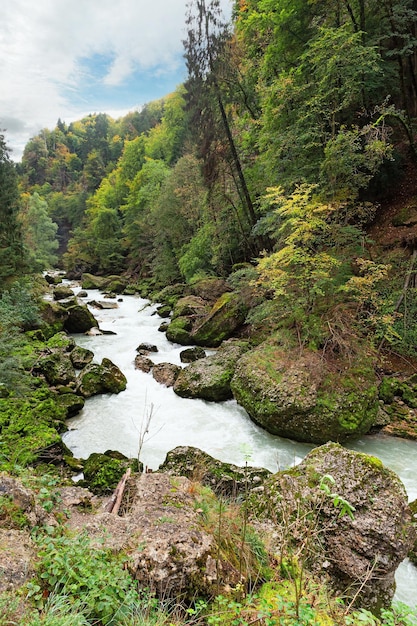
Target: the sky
pixel 64 59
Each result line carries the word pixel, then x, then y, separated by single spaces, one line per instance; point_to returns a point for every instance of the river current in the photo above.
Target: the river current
pixel 223 430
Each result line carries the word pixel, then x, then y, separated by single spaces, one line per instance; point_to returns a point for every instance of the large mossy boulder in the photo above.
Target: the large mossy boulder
pixel 104 378
pixel 81 357
pixel 179 331
pixel 71 403
pixel 299 396
pixel 210 288
pixel 190 306
pixel 226 315
pixel 62 292
pixel 209 378
pixel 347 518
pixel 54 316
pixel 102 472
pixel 89 281
pixel 225 479
pixel 56 368
pixel 80 319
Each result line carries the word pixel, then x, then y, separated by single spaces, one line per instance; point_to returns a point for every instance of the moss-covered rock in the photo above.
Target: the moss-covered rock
pixel 226 315
pixel 190 306
pixel 297 395
pixel 29 426
pixel 61 292
pixel 210 288
pixel 179 331
pixel 89 281
pixel 81 357
pixel 209 378
pixel 54 316
pixel 102 472
pixel 56 368
pixel 71 402
pixel 346 516
pixel 223 478
pixel 189 355
pixel 104 378
pixel 80 319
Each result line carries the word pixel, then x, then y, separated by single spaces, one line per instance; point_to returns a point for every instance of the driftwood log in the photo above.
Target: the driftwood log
pixel 113 505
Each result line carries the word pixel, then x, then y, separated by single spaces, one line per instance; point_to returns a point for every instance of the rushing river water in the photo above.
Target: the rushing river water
pixel 223 430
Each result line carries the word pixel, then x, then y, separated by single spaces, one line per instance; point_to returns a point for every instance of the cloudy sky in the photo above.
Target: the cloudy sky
pixel 67 58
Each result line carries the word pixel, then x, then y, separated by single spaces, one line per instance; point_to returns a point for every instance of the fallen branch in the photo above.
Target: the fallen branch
pixel 113 505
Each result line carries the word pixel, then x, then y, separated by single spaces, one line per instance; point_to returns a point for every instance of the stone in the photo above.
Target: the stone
pixel 104 378
pixel 143 363
pixel 80 357
pixel 56 368
pixel 71 402
pixel 79 319
pixel 189 355
pixel 296 395
pixel 146 347
pixel 179 330
pixel 365 546
pixel 61 292
pixel 225 479
pixel 166 373
pixel 226 315
pixel 164 310
pixel 209 378
pixel 191 306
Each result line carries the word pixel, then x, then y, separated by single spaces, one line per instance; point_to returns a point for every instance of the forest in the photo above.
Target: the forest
pixel 285 165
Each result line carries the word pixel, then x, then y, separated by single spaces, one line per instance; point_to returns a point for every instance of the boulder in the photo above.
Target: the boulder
pixel 146 347
pixel 226 315
pixel 164 310
pixel 79 319
pixel 179 330
pixel 209 378
pixel 163 327
pixel 103 304
pixel 54 316
pixel 102 472
pixel 298 396
pixel 190 306
pixel 56 368
pixel 189 355
pixel 143 363
pixel 82 294
pixel 71 402
pixel 61 292
pixel 210 288
pixel 225 479
pixel 104 378
pixel 166 373
pixel 349 518
pixel 61 341
pixel 89 281
pixel 80 357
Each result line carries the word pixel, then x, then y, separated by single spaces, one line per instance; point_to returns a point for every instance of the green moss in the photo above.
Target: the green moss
pixel 29 426
pixel 11 515
pixel 102 472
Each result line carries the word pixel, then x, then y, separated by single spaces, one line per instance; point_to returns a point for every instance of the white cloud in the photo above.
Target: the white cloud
pixel 44 45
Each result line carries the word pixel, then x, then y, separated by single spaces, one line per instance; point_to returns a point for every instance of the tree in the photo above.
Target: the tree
pixel 205 54
pixel 11 248
pixel 39 233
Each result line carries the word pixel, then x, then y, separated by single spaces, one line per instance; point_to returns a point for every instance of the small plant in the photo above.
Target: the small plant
pixel 90 574
pixel 338 501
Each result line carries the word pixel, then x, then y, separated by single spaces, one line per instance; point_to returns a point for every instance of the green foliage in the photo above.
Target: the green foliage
pixel 96 579
pixel 39 233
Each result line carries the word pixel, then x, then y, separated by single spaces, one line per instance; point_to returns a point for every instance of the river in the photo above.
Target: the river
pixel 223 430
